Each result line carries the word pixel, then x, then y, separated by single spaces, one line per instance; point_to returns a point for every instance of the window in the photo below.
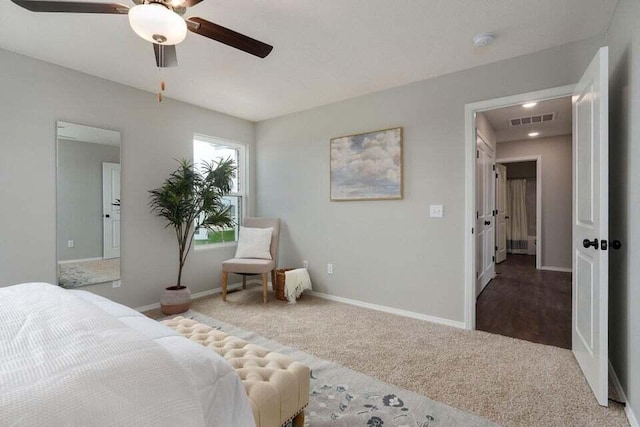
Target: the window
pixel 208 149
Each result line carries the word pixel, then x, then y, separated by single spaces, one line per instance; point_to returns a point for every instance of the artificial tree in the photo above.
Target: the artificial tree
pixel 191 199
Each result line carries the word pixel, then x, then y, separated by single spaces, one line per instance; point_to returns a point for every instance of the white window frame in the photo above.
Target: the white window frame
pixel 242 175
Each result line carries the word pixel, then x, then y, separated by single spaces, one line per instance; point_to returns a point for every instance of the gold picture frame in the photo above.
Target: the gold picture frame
pixel 367 166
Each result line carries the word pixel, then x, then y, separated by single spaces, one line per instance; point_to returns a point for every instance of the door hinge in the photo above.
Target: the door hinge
pixel 604 245
pixel 477 154
pixel 496 249
pixel 493 258
pixel 494 168
pixel 496 176
pixel 472 230
pixel 477 214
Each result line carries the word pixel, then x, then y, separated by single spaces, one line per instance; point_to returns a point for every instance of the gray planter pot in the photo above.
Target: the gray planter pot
pixel 174 301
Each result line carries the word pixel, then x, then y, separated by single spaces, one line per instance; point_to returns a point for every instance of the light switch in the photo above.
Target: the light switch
pixel 436 211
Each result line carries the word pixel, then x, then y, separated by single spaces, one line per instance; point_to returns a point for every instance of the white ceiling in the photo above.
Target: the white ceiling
pixel 560 125
pixel 324 50
pixel 90 134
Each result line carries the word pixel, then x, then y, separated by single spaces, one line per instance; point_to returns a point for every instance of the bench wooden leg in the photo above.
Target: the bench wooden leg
pixel 264 287
pixel 298 421
pixel 225 277
pixel 244 282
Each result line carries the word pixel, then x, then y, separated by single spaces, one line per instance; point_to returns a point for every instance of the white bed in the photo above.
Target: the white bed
pixel 71 358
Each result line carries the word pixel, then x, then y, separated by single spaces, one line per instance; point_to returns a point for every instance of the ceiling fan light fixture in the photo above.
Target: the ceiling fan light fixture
pixel 156 23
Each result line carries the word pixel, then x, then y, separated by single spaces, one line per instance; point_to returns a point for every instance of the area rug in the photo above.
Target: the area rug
pixel 342 397
pixel 82 273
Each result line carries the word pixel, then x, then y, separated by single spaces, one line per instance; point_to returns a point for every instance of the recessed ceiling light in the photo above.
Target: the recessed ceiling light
pixel 530 104
pixel 533 134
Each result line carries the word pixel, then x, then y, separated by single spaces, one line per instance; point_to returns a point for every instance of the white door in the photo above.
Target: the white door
pixel 501 217
pixel 111 210
pixel 485 240
pixel 591 224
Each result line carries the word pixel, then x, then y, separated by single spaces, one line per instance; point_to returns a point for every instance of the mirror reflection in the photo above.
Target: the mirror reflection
pixel 88 205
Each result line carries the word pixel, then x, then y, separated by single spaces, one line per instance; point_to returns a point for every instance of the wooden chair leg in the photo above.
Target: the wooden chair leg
pixel 264 287
pixel 225 277
pixel 298 421
pixel 244 282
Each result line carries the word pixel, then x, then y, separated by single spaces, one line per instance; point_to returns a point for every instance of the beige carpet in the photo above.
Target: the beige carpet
pixel 508 381
pixel 82 273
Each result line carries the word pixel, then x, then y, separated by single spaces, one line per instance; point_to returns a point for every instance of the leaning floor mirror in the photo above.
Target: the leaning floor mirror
pixel 87 205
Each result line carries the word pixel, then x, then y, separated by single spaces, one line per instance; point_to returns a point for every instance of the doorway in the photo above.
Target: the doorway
pixel 524 301
pixel 589 218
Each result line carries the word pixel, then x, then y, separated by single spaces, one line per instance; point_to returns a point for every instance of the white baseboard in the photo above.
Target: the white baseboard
pixel 194 296
pixel 633 421
pixel 397 311
pixel 68 261
pixel 561 269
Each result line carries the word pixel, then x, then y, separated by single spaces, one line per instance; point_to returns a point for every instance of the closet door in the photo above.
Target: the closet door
pixel 501 218
pixel 485 223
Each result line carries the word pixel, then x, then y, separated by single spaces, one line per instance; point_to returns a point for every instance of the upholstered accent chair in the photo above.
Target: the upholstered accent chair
pixel 250 266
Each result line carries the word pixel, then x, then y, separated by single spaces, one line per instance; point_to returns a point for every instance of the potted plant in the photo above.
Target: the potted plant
pixel 189 200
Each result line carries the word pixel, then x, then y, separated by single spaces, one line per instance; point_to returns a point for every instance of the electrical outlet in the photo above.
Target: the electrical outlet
pixel 116 284
pixel 71 244
pixel 329 268
pixel 305 263
pixel 436 211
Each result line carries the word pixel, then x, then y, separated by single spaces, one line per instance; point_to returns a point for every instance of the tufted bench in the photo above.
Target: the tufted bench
pixel 277 386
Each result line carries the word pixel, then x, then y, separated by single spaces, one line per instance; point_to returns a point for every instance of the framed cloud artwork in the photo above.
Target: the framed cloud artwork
pixel 367 166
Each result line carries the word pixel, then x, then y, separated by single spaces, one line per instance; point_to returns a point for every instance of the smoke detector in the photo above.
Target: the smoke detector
pixel 484 40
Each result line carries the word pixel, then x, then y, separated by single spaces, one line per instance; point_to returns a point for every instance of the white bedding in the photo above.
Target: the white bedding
pixel 71 358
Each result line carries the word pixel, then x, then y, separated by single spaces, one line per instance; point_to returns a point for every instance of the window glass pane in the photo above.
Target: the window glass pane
pixel 208 237
pixel 208 152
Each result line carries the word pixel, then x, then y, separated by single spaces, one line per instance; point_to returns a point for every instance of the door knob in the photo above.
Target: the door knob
pixel 487 223
pixel 615 244
pixel 588 243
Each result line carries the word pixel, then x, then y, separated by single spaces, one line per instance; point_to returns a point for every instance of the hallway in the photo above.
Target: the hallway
pixel 525 303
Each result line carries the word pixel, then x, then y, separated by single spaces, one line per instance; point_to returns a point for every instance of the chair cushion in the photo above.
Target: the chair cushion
pixel 248 265
pixel 254 243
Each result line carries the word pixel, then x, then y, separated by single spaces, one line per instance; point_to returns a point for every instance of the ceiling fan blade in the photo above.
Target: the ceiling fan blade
pixel 72 7
pixel 228 37
pixel 165 55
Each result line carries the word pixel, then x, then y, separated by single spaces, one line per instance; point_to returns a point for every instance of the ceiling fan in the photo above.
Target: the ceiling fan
pixel 159 22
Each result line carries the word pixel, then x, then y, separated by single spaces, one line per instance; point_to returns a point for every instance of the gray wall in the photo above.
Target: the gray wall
pixel 526 170
pixel 520 170
pixel 557 190
pixel 153 134
pixel 79 193
pixel 624 183
pixel 390 252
